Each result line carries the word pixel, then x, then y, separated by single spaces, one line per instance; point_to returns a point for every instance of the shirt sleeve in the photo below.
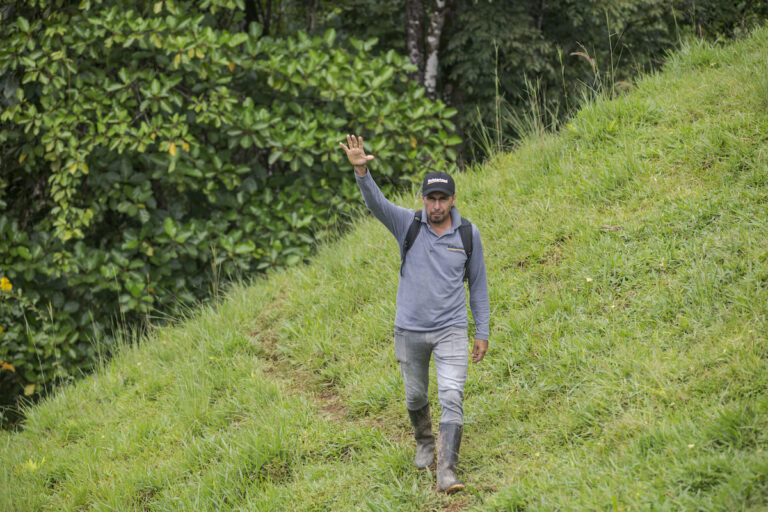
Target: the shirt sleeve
pixel 478 288
pixel 396 218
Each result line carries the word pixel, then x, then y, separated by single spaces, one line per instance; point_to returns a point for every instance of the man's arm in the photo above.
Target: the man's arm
pixel 395 218
pixel 478 297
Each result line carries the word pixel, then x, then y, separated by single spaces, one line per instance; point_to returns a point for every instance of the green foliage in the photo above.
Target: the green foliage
pixel 494 51
pixel 561 47
pixel 144 143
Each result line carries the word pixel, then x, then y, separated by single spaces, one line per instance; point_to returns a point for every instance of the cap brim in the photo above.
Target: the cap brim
pixel 437 188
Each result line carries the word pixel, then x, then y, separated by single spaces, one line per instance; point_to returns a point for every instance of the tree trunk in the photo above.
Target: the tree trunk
pixel 251 12
pixel 540 21
pixel 254 11
pixel 436 20
pixel 312 16
pixel 414 29
pixel 747 7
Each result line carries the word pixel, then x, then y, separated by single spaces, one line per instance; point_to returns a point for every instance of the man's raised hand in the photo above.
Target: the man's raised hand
pixel 356 154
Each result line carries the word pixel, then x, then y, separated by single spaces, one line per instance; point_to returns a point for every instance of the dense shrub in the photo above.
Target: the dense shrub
pixel 143 144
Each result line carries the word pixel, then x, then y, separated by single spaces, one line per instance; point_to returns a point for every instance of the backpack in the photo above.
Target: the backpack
pixel 465 232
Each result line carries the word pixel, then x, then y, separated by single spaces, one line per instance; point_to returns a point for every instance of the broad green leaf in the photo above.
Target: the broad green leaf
pixel 330 36
pixel 237 39
pixel 170 226
pixel 245 247
pixel 23 24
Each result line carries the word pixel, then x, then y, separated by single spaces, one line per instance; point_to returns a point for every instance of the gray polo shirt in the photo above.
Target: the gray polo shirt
pixel 431 294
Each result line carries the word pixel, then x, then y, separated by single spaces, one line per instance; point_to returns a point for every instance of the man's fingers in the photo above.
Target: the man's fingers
pixel 354 149
pixel 478 350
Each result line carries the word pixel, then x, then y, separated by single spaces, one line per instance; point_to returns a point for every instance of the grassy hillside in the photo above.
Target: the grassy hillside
pixel 628 367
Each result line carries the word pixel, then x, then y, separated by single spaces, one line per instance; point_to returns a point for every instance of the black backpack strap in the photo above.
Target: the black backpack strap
pixel 413 232
pixel 465 231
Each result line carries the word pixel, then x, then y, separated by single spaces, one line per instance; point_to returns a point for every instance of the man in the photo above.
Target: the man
pixel 431 313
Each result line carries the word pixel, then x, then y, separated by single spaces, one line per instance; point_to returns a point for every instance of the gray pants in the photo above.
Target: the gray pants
pixel 450 348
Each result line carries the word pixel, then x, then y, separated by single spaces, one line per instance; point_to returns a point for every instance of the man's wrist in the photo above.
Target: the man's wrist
pixel 361 170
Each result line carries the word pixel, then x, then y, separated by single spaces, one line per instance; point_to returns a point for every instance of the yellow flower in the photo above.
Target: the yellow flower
pixel 32 465
pixel 5 285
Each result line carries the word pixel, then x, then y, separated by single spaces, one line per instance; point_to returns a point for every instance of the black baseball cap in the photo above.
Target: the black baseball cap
pixel 438 182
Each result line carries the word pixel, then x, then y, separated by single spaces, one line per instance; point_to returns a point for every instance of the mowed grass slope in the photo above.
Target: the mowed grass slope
pixel 628 366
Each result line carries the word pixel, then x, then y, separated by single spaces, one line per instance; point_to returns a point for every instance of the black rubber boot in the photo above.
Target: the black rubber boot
pixel 425 440
pixel 448 443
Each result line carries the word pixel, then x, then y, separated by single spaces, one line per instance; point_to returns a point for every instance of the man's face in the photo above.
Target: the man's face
pixel 438 206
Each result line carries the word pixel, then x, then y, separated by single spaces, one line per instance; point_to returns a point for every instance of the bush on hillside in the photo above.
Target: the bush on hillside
pixel 143 144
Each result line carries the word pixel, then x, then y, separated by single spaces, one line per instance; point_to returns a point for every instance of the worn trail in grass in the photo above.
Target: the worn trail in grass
pixel 628 268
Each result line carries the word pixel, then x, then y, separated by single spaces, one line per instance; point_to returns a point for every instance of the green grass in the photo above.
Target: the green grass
pixel 628 366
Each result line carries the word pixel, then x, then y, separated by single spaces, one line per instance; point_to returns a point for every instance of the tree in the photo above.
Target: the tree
pixel 414 33
pixel 494 55
pixel 423 34
pixel 144 142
